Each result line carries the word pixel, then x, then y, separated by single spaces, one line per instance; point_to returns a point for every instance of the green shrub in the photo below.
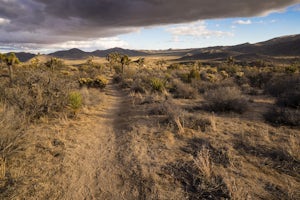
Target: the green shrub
pixel 157 84
pixel 75 100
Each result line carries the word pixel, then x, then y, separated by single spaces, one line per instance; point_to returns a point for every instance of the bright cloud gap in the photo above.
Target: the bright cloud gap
pixel 196 29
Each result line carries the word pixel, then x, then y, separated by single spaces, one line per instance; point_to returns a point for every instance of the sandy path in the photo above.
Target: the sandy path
pixel 91 167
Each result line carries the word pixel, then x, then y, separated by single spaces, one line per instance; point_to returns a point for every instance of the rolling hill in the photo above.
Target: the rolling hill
pixel 277 47
pixel 23 56
pixel 79 54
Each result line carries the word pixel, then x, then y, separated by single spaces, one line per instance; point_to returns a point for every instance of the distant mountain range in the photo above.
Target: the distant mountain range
pixel 277 47
pixel 79 54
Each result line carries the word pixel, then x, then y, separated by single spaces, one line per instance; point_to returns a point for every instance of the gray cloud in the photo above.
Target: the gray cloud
pixel 46 22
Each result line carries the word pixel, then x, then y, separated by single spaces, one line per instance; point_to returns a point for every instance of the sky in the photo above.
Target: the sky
pixel 47 26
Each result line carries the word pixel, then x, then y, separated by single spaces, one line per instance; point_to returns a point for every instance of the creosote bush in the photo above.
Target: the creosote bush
pixel 226 99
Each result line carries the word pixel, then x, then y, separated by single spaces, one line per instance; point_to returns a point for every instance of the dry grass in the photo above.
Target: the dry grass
pixel 203 163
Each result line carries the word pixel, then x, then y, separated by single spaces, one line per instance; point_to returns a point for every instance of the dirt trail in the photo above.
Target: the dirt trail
pixel 93 165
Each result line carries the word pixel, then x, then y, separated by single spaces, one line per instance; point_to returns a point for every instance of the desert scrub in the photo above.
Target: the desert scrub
pixel 157 84
pixel 37 93
pixel 226 99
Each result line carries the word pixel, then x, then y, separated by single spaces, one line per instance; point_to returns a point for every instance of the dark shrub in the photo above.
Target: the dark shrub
pixel 258 79
pixel 181 90
pixel 225 99
pixel 283 116
pixel 286 89
pixel 280 85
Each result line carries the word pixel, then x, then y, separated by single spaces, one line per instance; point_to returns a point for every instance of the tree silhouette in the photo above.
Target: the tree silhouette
pixel 9 60
pixel 116 58
pixel 113 58
pixel 124 61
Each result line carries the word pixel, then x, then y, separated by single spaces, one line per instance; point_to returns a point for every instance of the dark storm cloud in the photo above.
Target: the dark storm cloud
pixel 40 21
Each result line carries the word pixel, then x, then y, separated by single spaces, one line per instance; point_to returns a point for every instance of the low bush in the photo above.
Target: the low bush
pixel 286 89
pixel 184 91
pixel 278 85
pixel 224 99
pixel 197 123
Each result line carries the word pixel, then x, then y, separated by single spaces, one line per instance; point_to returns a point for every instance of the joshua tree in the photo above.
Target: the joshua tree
pixel 140 61
pixel 1 59
pixel 35 62
pixel 89 61
pixel 116 58
pixel 9 60
pixel 124 61
pixel 230 61
pixel 54 63
pixel 198 65
pixel 113 58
